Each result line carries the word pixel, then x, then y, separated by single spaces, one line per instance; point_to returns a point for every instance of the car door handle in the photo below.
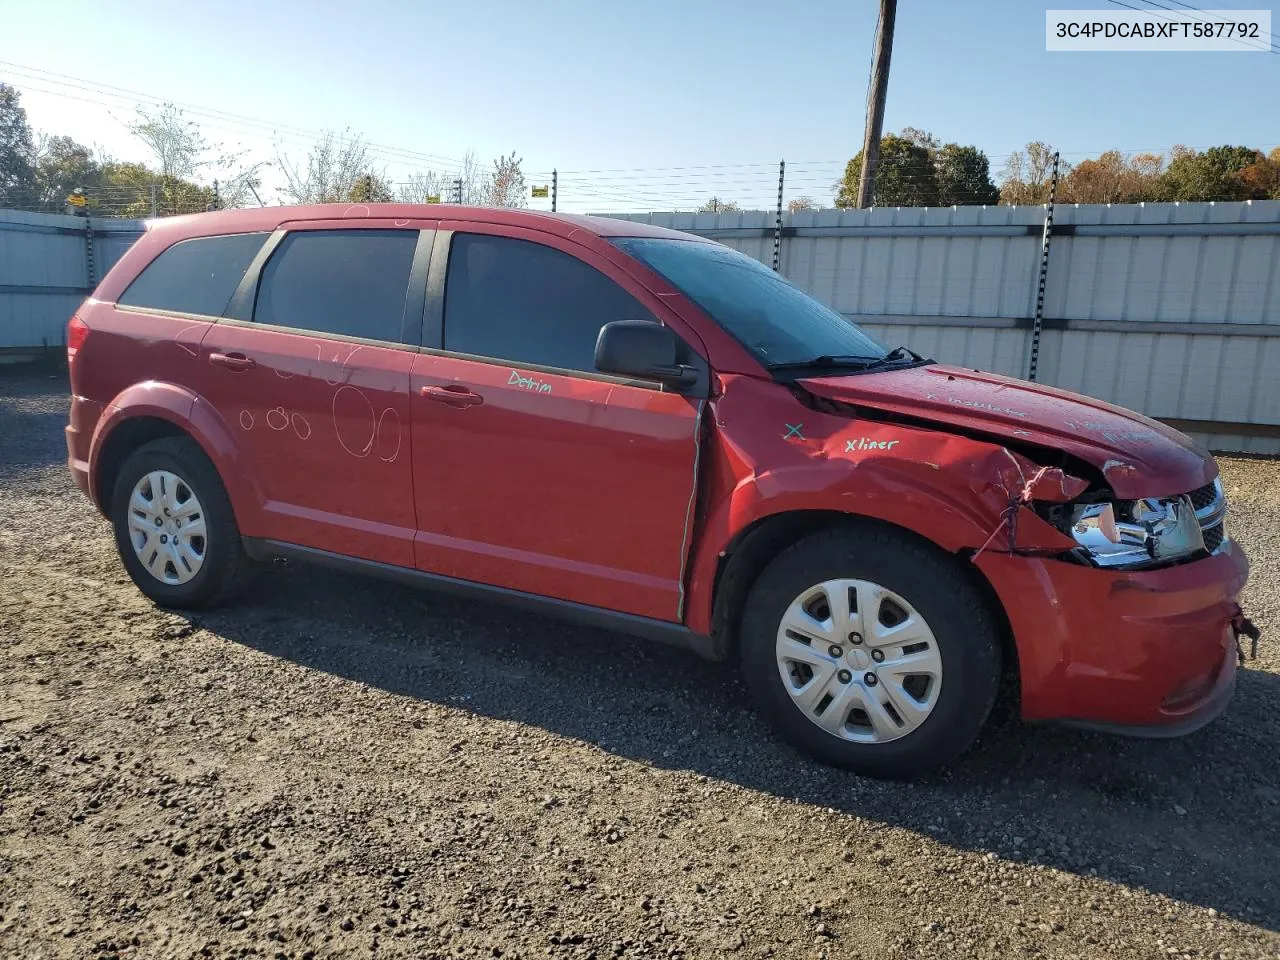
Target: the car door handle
pixel 454 395
pixel 232 361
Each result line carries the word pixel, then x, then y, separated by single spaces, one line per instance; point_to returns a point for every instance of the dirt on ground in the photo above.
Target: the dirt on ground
pixel 340 767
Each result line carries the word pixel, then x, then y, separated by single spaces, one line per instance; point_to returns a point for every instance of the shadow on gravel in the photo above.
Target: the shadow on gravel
pixel 1195 819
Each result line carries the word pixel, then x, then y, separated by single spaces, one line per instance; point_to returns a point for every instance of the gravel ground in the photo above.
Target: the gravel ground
pixel 337 767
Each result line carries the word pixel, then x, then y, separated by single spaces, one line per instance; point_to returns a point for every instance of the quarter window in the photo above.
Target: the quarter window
pixel 527 303
pixel 348 282
pixel 194 276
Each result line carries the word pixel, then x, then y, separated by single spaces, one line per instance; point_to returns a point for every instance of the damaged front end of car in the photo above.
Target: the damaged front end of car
pixel 1121 593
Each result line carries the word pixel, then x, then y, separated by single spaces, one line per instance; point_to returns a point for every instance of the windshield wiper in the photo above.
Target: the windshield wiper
pixel 897 355
pixel 831 361
pixel 826 361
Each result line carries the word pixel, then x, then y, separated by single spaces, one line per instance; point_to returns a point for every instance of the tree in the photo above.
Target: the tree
pixel 904 178
pixel 240 187
pixel 801 203
pixel 917 169
pixel 370 188
pixel 467 184
pixel 474 182
pixel 62 166
pixel 1111 178
pixel 964 176
pixel 334 165
pixel 16 173
pixel 1215 174
pixel 420 187
pixel 921 138
pixel 182 152
pixel 1026 176
pixel 506 184
pixel 1261 179
pixel 716 205
pixel 177 144
pixel 128 189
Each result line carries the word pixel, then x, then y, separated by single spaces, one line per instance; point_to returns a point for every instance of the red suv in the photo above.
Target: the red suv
pixel 651 432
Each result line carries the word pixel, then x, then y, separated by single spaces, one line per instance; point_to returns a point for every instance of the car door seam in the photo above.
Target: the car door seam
pixel 688 513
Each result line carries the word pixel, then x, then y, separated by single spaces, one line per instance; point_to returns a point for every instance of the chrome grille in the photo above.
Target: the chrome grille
pixel 1210 504
pixel 1206 496
pixel 1213 537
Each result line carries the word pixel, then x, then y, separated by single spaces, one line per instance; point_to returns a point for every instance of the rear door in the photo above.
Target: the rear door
pixel 311 369
pixel 533 471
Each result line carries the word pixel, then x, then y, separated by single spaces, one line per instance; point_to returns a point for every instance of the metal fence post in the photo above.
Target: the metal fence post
pixel 554 186
pixel 90 260
pixel 1038 321
pixel 777 222
pixel 155 207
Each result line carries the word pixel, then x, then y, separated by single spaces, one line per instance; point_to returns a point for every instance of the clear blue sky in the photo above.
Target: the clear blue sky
pixel 594 85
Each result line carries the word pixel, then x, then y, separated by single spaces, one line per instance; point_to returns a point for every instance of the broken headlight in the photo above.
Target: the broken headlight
pixel 1132 533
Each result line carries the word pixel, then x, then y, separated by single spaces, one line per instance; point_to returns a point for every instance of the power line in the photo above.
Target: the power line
pixel 1119 3
pixel 240 123
pixel 1201 10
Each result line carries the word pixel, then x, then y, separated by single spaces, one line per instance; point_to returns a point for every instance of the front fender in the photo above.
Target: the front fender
pixel 952 490
pixel 195 416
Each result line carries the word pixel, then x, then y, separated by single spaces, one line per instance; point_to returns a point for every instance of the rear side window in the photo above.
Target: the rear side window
pixel 348 282
pixel 520 301
pixel 195 276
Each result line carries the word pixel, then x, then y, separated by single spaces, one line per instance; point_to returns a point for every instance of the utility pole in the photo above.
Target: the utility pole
pixel 875 103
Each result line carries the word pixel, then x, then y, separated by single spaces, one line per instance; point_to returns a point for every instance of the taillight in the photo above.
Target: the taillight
pixel 77 332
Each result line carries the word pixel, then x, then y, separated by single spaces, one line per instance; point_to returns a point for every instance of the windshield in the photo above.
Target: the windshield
pixel 779 323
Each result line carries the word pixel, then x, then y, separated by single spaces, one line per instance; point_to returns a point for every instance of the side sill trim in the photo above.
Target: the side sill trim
pixel 644 627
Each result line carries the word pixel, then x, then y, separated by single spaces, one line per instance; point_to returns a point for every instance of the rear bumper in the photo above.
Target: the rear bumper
pixel 1150 653
pixel 79 433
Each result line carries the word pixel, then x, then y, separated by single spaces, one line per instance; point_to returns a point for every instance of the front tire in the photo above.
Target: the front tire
pixel 175 530
pixel 870 650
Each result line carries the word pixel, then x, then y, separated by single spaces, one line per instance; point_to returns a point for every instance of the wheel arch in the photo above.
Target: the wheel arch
pixel 756 545
pixel 127 436
pixel 154 410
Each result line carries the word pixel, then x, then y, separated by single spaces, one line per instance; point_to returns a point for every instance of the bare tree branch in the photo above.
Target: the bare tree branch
pixel 333 167
pixel 177 143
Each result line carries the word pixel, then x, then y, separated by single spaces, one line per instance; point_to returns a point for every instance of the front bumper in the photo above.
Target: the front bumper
pixel 1148 652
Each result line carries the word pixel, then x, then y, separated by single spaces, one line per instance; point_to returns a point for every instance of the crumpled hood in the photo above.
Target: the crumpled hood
pixel 1139 457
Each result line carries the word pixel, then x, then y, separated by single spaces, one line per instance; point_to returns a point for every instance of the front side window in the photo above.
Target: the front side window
pixel 195 276
pixel 778 322
pixel 527 303
pixel 348 282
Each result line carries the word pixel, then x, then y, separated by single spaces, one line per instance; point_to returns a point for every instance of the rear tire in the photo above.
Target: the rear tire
pixel 870 650
pixel 174 526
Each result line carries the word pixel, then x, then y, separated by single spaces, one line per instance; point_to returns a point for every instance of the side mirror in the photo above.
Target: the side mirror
pixel 644 350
